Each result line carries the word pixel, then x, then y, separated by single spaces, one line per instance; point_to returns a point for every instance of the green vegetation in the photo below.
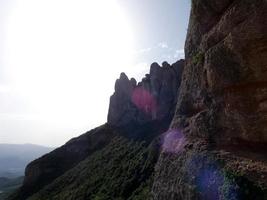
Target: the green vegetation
pixel 198 58
pixel 122 170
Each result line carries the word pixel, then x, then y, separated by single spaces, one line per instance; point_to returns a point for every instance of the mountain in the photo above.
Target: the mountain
pixel 192 130
pixel 15 157
pixel 122 152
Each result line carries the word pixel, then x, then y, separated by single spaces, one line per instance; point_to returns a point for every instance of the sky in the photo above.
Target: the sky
pixel 59 60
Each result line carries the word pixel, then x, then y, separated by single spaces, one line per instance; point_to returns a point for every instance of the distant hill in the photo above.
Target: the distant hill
pixel 15 157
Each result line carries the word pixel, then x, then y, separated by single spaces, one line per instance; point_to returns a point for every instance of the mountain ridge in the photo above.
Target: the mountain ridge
pixel 138 127
pixel 207 135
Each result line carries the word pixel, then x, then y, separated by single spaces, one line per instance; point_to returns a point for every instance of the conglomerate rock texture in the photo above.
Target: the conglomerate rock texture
pixel 218 133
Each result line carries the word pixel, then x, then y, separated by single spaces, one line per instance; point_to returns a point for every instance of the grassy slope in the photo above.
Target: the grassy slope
pixel 122 170
pixel 46 169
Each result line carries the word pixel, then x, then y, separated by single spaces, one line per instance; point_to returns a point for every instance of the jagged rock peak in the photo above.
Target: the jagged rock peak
pixel 123 76
pixel 151 99
pixel 133 81
pixel 154 68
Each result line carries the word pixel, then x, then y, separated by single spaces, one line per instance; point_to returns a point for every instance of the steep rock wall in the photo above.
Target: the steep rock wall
pixel 147 106
pixel 151 99
pixel 216 146
pixel 226 68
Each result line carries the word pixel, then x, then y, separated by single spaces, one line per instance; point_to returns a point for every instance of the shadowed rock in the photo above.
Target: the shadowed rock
pixel 221 109
pixel 136 111
pixel 154 98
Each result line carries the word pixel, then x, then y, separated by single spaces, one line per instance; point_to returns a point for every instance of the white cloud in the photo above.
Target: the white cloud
pixel 163 45
pixel 145 50
pixel 179 54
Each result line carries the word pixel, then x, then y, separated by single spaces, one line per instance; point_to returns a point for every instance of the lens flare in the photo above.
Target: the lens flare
pixel 209 182
pixel 144 101
pixel 173 141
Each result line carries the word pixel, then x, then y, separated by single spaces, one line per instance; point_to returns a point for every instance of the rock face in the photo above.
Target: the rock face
pixel 138 113
pixel 226 68
pixel 215 147
pixel 153 99
pixel 219 133
pixel 144 110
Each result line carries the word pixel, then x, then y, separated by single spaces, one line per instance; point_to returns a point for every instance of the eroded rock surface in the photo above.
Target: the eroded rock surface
pixel 221 111
pixel 149 103
pixel 226 68
pixel 151 99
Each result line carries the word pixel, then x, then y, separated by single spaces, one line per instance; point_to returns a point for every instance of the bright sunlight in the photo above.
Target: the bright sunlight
pixel 59 56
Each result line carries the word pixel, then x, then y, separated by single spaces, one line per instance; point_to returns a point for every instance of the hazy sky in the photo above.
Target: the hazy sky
pixel 59 60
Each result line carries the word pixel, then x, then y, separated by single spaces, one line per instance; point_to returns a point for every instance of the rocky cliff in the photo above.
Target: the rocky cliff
pixel 200 134
pixel 218 135
pixel 152 99
pixel 147 106
pixel 138 114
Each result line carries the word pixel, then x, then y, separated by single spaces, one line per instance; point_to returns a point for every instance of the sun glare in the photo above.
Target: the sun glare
pixel 64 58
